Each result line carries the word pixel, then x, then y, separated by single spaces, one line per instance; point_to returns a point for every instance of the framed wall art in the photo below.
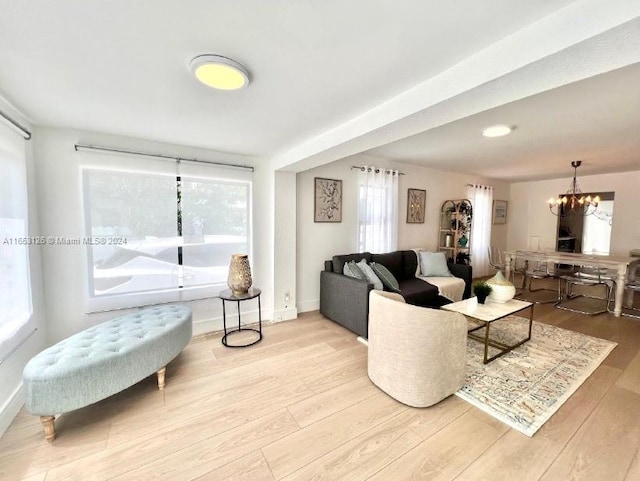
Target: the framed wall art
pixel 499 211
pixel 328 200
pixel 416 201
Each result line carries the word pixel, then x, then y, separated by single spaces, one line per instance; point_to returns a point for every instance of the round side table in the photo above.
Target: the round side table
pixel 228 296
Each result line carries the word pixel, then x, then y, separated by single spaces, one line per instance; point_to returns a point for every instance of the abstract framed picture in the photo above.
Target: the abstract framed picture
pixel 416 202
pixel 327 203
pixel 499 211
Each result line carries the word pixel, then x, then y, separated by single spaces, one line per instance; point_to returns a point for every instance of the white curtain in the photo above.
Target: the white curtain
pixel 481 197
pixel 377 209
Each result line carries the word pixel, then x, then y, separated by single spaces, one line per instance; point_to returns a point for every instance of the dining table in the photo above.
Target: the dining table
pixel 625 267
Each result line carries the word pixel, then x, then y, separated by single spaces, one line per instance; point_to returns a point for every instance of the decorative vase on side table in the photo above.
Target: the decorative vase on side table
pixel 239 280
pixel 501 289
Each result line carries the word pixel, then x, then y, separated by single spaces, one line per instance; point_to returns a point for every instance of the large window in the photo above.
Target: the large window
pixel 15 288
pixel 162 237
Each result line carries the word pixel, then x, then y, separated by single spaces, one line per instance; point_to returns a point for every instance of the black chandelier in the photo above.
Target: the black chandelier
pixel 574 201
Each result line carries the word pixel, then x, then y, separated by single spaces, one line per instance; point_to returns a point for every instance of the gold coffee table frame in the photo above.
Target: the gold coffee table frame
pixel 484 315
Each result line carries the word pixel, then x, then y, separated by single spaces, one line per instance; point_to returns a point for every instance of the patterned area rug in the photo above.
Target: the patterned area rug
pixel 526 386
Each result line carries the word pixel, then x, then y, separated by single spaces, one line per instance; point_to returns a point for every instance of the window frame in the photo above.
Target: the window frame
pixel 12 145
pixel 179 293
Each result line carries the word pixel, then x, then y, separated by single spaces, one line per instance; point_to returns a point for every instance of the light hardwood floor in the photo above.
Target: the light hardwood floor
pixel 299 406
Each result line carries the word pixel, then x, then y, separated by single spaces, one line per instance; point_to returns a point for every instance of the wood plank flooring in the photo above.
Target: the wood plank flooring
pixel 299 406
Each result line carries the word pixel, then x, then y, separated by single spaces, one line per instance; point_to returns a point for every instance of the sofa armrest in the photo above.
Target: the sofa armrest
pixel 464 272
pixel 345 300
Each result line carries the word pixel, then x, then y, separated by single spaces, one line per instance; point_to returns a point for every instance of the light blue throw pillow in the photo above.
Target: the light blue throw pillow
pixel 434 264
pixel 371 276
pixel 351 269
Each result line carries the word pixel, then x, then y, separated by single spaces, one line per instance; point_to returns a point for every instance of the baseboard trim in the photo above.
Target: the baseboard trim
pixel 206 326
pixel 11 408
pixel 285 314
pixel 306 306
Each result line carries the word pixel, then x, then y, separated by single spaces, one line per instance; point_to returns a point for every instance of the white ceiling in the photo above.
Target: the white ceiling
pixel 121 67
pixel 596 120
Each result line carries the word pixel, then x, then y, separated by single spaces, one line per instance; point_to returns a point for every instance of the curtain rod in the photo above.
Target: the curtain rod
pixel 478 185
pixel 361 167
pixel 82 147
pixel 15 125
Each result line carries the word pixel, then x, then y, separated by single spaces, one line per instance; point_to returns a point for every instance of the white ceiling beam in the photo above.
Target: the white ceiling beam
pixel 584 39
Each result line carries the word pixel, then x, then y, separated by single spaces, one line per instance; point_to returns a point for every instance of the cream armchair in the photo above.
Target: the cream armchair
pixel 416 355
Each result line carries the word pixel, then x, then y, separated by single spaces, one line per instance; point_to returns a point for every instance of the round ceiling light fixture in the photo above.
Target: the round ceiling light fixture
pixel 497 131
pixel 219 72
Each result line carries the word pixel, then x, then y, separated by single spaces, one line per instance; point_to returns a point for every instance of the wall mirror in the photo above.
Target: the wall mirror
pixel 587 234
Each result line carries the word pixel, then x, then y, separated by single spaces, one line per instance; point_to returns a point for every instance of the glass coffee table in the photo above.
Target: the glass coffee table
pixel 484 315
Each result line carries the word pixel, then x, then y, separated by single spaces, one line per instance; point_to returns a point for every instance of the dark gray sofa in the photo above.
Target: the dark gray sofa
pixel 345 300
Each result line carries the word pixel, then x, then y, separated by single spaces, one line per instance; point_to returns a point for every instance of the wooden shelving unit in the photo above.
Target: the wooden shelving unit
pixel 454 236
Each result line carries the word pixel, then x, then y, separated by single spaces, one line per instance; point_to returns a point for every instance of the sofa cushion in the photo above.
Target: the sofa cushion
pixel 391 260
pixel 419 293
pixel 433 264
pixel 351 269
pixel 409 264
pixel 339 261
pixel 385 275
pixel 371 276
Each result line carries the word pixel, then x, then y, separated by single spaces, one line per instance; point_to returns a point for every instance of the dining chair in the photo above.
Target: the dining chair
pixel 631 311
pixel 496 259
pixel 591 276
pixel 536 267
pixel 498 262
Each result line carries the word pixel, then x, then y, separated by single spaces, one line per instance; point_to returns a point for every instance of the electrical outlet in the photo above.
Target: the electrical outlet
pixel 287 296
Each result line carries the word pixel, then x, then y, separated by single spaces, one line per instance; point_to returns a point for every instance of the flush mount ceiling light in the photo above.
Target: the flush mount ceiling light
pixel 497 130
pixel 219 72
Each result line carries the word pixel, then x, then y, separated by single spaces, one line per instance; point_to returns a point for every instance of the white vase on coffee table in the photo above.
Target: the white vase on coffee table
pixel 501 289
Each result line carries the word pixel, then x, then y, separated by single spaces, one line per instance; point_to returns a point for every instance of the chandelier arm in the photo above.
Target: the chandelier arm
pixel 557 214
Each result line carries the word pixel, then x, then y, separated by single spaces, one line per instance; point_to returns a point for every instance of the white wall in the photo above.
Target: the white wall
pixel 530 215
pixel 284 249
pixel 11 391
pixel 318 242
pixel 61 214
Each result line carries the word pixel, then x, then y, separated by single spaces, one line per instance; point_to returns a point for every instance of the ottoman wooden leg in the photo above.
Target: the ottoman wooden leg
pixel 161 374
pixel 48 423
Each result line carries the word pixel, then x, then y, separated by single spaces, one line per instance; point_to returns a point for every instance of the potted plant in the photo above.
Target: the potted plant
pixel 481 289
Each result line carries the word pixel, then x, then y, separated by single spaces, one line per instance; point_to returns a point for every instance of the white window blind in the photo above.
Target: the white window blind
pixel 15 286
pixel 162 234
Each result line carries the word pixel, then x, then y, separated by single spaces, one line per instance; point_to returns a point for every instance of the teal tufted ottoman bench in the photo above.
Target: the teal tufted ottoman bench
pixel 104 360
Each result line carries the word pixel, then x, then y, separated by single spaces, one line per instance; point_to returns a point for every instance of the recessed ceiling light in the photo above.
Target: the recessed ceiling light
pixel 220 72
pixel 497 130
